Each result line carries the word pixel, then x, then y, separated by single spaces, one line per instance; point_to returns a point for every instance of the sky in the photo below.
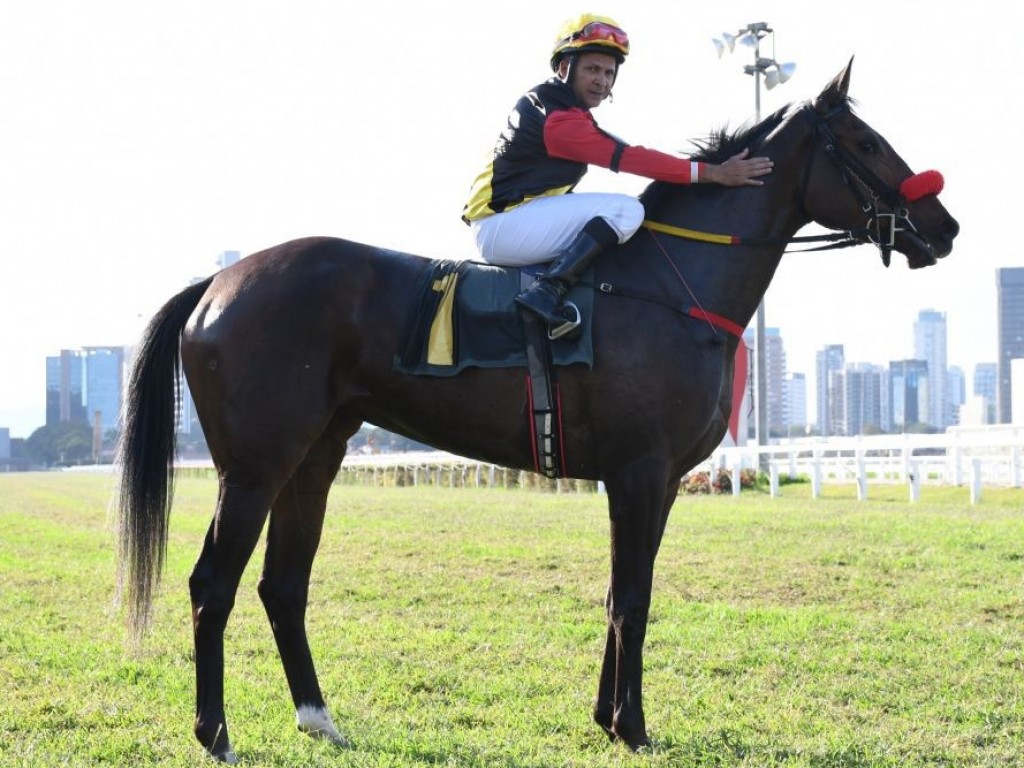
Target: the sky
pixel 139 140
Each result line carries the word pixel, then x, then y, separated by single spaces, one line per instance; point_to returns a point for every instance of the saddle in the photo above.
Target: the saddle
pixel 465 316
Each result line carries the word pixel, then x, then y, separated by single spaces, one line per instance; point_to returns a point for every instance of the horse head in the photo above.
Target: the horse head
pixel 898 209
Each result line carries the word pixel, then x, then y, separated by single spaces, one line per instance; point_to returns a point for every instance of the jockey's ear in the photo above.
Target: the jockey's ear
pixel 835 93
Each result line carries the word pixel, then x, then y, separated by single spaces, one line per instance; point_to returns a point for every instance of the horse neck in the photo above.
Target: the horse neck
pixel 732 280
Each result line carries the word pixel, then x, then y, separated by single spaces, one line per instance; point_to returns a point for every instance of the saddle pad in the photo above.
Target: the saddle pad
pixel 465 316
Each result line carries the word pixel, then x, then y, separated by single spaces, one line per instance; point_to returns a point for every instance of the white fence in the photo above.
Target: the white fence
pixel 992 456
pixel 447 470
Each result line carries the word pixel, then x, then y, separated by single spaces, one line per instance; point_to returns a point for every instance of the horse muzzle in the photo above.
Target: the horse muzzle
pixel 922 252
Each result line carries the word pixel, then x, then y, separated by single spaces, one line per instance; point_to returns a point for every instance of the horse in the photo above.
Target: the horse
pixel 288 352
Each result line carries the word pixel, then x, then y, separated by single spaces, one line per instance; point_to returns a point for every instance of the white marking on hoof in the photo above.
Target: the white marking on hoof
pixel 316 721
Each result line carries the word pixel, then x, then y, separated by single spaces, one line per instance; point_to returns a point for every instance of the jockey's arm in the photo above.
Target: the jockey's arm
pixel 572 134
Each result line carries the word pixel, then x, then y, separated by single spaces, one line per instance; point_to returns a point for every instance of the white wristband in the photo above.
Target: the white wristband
pixel 694 172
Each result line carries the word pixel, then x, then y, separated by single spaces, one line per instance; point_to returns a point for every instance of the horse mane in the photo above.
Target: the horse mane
pixel 720 144
pixel 717 147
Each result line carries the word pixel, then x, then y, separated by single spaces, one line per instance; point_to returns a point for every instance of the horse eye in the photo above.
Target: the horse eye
pixel 869 146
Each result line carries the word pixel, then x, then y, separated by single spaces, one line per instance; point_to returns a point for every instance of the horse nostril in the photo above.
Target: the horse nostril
pixel 950 229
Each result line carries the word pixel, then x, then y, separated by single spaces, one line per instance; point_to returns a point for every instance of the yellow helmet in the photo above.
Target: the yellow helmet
pixel 589 33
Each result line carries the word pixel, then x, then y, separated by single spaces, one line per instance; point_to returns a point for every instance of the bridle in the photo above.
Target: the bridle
pixel 881 227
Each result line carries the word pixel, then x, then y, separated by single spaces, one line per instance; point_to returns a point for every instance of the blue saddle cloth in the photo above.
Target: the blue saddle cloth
pixel 465 316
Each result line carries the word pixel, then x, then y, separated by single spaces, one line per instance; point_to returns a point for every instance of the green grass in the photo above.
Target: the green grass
pixel 465 627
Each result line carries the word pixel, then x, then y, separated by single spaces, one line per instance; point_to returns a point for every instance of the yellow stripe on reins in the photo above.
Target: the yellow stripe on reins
pixel 690 234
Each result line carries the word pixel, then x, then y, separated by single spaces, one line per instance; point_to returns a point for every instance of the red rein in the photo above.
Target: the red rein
pixel 921 185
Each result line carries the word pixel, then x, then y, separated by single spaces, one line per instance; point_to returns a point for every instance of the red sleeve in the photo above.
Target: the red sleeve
pixel 659 165
pixel 572 134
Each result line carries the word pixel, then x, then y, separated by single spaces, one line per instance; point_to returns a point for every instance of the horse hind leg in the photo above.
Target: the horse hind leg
pixel 296 522
pixel 232 536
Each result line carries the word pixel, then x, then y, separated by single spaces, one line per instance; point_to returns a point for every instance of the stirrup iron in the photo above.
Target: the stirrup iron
pixel 573 320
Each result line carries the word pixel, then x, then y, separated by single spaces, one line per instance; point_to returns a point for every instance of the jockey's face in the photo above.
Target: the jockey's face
pixel 593 76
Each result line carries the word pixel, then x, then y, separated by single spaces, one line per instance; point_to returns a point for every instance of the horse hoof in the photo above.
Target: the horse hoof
pixel 216 743
pixel 316 722
pixel 644 745
pixel 604 719
pixel 635 739
pixel 334 738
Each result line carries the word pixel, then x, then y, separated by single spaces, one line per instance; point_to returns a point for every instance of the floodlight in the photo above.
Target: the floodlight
pixel 786 71
pixel 771 78
pixel 730 41
pixel 719 46
pixel 748 40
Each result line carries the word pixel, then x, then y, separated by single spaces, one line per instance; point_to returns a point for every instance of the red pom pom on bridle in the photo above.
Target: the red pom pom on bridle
pixel 921 185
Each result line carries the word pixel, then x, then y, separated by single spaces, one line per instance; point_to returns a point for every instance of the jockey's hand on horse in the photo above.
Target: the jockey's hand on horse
pixel 739 170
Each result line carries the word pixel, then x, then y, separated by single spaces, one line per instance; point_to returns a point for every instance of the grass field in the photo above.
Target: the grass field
pixel 465 627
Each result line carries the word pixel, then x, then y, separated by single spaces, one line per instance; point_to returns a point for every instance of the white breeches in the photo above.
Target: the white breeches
pixel 536 231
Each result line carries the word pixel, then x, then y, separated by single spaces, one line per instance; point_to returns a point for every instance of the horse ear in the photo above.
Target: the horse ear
pixel 835 93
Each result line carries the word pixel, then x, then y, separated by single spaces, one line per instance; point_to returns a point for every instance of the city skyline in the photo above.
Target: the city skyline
pixel 141 141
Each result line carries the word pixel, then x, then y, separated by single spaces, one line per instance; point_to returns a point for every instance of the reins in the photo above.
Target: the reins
pixel 843 239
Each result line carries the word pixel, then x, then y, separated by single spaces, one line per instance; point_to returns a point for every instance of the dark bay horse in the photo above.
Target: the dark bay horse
pixel 289 351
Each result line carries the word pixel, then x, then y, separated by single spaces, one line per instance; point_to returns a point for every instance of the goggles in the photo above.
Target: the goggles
pixel 600 32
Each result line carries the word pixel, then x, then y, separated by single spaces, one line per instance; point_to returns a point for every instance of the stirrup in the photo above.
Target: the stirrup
pixel 573 320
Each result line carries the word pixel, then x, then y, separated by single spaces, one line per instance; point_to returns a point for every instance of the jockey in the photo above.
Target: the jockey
pixel 519 209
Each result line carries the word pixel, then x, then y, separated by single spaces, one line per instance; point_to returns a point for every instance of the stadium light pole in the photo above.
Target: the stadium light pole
pixel 774 73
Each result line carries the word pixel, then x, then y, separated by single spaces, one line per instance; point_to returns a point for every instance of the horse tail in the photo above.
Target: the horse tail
pixel 145 453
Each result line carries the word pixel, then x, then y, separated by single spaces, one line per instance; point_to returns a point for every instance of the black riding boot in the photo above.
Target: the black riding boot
pixel 545 296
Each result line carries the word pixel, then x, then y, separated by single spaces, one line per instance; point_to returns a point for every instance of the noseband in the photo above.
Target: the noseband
pixel 882 226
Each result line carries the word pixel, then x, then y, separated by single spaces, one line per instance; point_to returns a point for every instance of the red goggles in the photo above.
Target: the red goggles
pixel 602 32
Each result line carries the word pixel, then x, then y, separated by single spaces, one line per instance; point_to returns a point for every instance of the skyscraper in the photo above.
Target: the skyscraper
pixel 83 382
pixel 985 378
pixel 956 393
pixel 796 403
pixel 862 399
pixel 909 391
pixel 1010 303
pixel 65 388
pixel 227 258
pixel 930 346
pixel 104 375
pixel 775 368
pixel 828 388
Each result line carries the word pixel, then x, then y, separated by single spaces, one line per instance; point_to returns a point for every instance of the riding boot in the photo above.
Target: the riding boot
pixel 545 296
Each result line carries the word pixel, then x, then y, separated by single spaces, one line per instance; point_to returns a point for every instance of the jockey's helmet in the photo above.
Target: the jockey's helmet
pixel 589 33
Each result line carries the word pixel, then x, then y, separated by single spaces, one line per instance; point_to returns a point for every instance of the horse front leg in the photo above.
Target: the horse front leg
pixel 639 510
